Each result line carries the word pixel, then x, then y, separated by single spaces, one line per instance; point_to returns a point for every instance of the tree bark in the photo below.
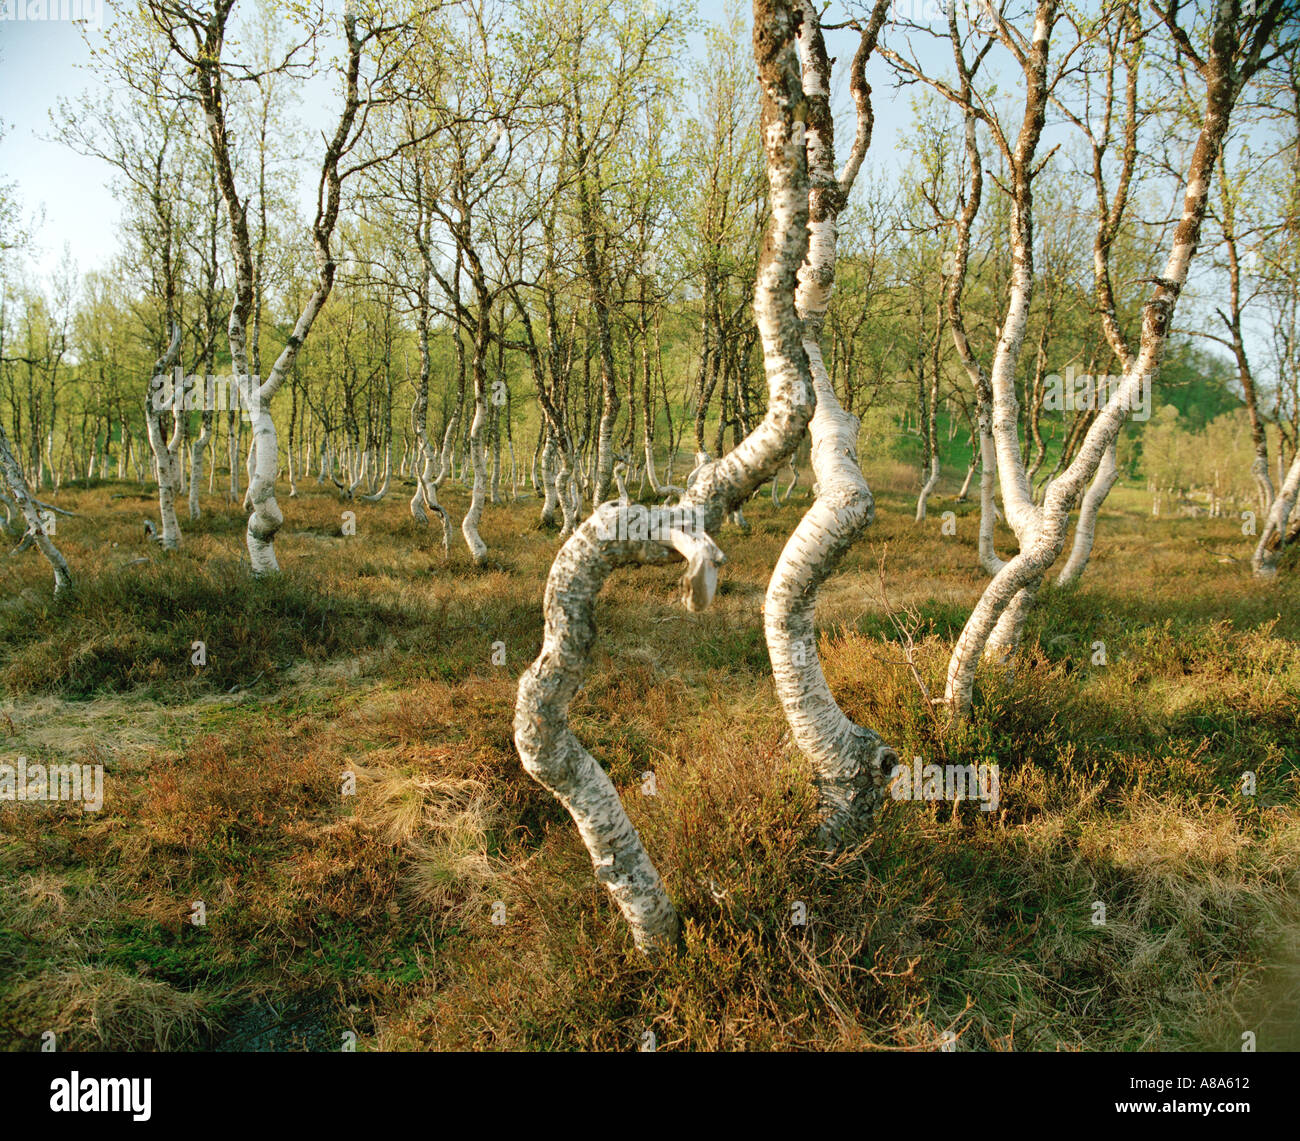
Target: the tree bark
pixel 1275 536
pixel 547 746
pixel 12 472
pixel 1045 538
pixel 848 760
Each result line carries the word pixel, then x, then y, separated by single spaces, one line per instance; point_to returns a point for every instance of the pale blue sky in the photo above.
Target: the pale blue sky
pixel 40 62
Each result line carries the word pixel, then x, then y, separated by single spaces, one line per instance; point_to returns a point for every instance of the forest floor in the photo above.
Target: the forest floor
pixel 372 914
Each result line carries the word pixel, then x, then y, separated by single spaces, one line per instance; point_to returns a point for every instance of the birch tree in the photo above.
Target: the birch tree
pixel 425 500
pixel 209 297
pixel 1234 232
pixel 1276 532
pixel 605 53
pixel 165 442
pixel 968 209
pixel 12 479
pixel 616 536
pixel 139 130
pixel 848 760
pixel 1282 304
pixel 1235 45
pixel 1118 120
pixel 722 222
pixel 198 37
pixel 28 507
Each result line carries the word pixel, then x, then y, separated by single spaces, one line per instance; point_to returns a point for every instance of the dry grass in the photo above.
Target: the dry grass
pixel 375 912
pixel 111 1009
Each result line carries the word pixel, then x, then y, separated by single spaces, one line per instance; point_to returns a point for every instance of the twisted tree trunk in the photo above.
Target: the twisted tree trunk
pixel 1044 536
pixel 1275 536
pixel 547 746
pixel 166 450
pixel 848 760
pixel 209 32
pixel 12 472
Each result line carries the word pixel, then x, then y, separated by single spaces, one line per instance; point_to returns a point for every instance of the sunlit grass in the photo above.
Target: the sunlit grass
pixel 1121 783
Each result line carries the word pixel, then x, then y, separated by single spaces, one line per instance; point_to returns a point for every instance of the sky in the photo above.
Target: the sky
pixel 40 63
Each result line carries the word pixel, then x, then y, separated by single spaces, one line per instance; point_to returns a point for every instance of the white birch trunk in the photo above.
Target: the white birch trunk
pixel 166 452
pixel 12 473
pixel 964 493
pixel 379 494
pixel 550 494
pixel 549 750
pixel 250 466
pixel 848 760
pixel 927 489
pixel 1086 528
pixel 469 525
pixel 1264 560
pixel 196 467
pixel 425 498
pixel 265 521
pixel 1043 536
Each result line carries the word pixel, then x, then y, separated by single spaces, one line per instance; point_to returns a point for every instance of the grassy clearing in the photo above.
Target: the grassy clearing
pixel 1121 784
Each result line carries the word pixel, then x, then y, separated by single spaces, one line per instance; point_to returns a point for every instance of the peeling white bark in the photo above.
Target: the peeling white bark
pixel 848 760
pixel 1264 560
pixel 549 750
pixel 12 473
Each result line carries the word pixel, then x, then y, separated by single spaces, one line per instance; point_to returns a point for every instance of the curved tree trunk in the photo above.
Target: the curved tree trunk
pixel 12 473
pixel 382 490
pixel 1086 528
pixel 166 450
pixel 1274 537
pixel 477 451
pixel 1044 536
pixel 971 469
pixel 928 488
pixel 550 494
pixel 265 520
pixel 547 746
pixel 570 494
pixel 425 462
pixel 848 760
